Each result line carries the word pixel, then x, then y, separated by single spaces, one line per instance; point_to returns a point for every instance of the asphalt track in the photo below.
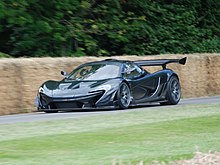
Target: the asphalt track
pixel 41 116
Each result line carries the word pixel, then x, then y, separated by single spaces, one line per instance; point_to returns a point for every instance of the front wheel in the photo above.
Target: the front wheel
pixel 124 96
pixel 173 92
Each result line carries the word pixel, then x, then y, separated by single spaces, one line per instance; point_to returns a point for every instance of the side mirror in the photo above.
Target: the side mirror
pixel 64 73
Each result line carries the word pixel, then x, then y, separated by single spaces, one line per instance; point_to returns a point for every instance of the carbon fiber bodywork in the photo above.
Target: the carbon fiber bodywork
pixel 78 94
pixel 100 93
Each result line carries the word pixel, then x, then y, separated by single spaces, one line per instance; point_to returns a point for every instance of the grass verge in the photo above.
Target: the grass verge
pixel 165 134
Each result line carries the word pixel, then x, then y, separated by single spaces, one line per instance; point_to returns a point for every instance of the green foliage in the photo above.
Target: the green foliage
pixel 3 55
pixel 108 27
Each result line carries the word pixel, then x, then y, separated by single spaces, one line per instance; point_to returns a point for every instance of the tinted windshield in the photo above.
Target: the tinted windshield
pixel 95 72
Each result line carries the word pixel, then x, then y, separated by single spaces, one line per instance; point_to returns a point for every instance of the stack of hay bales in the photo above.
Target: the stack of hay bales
pixel 20 78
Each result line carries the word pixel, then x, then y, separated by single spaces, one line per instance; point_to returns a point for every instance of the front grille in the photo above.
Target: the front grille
pixel 67 105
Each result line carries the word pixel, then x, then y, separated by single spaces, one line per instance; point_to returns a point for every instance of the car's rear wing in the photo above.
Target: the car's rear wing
pixel 160 62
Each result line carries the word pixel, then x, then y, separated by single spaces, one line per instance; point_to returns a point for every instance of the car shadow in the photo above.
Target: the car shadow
pixel 109 109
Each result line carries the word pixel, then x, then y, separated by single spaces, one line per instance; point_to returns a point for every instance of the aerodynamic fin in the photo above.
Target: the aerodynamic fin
pixel 160 62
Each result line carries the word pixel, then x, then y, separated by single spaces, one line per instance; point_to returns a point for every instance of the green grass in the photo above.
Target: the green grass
pixel 163 134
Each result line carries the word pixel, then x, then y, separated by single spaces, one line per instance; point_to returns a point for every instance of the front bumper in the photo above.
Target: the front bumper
pixel 89 101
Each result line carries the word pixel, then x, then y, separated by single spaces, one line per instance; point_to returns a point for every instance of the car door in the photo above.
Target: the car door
pixel 142 83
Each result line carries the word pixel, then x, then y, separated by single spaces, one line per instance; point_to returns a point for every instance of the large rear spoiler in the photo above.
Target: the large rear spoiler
pixel 160 62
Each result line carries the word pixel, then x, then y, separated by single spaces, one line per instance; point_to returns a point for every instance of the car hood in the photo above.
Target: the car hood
pixel 73 88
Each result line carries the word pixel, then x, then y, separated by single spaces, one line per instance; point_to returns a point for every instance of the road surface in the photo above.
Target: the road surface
pixel 41 116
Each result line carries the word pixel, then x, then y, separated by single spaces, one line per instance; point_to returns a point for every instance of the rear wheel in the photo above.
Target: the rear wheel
pixel 124 96
pixel 173 92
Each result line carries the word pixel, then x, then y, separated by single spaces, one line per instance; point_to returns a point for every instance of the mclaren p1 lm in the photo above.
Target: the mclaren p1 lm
pixel 111 83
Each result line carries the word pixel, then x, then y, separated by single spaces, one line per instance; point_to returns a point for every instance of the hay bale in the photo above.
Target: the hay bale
pixel 20 78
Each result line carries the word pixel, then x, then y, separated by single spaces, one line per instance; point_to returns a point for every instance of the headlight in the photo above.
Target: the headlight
pixel 101 88
pixel 41 90
pixel 104 87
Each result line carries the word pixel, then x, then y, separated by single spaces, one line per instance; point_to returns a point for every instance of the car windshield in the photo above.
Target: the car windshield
pixel 95 72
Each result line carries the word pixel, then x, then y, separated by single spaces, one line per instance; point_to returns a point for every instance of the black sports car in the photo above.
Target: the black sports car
pixel 111 83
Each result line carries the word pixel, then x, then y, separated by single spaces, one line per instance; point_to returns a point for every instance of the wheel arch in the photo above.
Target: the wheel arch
pixel 126 83
pixel 173 74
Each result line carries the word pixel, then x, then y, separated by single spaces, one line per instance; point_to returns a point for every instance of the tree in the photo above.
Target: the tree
pixel 108 27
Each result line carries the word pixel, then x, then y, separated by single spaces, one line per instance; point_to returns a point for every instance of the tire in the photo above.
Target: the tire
pixel 124 96
pixel 173 92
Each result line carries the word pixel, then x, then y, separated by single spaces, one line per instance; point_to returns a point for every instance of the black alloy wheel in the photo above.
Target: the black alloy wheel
pixel 124 96
pixel 173 92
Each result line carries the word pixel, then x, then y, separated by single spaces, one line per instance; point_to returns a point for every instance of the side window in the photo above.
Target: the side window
pixel 131 70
